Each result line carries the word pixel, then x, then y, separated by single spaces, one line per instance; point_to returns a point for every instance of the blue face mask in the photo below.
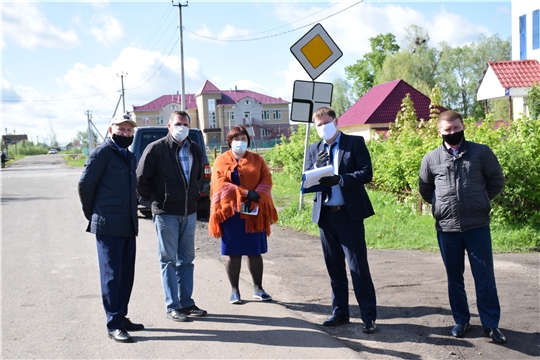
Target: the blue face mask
pixel 239 147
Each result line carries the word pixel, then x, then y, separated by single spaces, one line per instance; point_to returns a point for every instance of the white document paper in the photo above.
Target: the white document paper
pixel 254 211
pixel 312 177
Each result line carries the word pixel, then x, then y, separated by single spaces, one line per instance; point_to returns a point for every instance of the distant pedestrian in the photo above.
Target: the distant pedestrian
pixel 4 159
pixel 241 182
pixel 107 190
pixel 339 210
pixel 458 179
pixel 169 175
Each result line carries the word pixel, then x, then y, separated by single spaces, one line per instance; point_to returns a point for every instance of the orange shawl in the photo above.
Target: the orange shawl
pixel 227 197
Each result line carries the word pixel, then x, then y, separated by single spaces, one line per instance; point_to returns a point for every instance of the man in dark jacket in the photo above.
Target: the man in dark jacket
pixel 339 211
pixel 107 190
pixel 458 179
pixel 168 175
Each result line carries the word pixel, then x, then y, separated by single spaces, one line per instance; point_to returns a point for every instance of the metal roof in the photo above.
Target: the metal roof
pixel 382 102
pixel 228 97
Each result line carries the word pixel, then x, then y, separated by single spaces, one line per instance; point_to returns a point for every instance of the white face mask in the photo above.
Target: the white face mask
pixel 239 147
pixel 327 131
pixel 180 132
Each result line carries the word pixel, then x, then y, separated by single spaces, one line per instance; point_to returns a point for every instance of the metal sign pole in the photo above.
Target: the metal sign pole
pixel 304 163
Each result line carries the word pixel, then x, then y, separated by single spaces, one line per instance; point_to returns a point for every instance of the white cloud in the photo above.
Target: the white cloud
pixel 147 76
pixel 107 29
pixel 229 32
pixel 454 29
pixel 26 26
pixel 247 84
pixel 232 32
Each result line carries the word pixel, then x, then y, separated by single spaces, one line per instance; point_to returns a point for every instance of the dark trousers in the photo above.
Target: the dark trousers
pixel 342 238
pixel 477 242
pixel 116 256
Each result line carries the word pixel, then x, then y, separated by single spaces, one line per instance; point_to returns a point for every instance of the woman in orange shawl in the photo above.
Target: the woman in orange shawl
pixel 242 210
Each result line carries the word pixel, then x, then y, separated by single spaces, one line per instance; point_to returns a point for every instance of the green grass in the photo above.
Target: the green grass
pixel 74 159
pixel 394 225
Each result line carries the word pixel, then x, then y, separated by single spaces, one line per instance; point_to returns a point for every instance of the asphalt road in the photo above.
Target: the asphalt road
pixel 51 303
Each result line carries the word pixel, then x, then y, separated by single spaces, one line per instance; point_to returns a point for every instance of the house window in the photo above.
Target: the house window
pixel 265 132
pixel 173 107
pixel 212 113
pixel 536 29
pixel 159 120
pixel 247 115
pixel 231 118
pixel 277 114
pixel 265 115
pixel 146 121
pixel 247 102
pixel 523 37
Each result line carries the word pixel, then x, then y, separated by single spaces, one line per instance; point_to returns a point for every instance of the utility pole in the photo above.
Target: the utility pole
pixel 183 103
pixel 90 137
pixel 123 98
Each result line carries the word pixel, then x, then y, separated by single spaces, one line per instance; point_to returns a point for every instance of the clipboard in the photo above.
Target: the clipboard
pixel 310 179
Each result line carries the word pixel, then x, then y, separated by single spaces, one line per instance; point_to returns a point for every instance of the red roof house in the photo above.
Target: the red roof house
pixel 379 107
pixel 215 111
pixel 509 80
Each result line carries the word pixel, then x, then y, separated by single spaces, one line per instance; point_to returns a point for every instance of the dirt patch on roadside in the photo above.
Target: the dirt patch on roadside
pixel 414 318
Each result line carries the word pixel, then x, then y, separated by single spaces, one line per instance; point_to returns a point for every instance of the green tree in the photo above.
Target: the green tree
pixel 461 69
pixel 82 136
pixel 533 101
pixel 289 155
pixel 341 99
pixel 54 141
pixel 416 63
pixel 364 72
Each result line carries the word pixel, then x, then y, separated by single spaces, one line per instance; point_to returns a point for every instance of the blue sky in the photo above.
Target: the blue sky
pixel 60 59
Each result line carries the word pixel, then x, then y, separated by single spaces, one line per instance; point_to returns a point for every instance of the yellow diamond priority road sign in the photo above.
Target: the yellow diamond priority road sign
pixel 316 51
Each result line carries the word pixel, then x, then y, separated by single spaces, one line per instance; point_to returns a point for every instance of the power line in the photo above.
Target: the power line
pixel 282 26
pixel 156 29
pixel 163 63
pixel 202 36
pixel 157 62
pixel 273 35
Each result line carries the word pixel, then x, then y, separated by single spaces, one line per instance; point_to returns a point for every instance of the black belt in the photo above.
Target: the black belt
pixel 335 208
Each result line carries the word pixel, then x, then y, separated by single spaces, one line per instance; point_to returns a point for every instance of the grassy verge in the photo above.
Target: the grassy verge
pixel 74 159
pixel 394 225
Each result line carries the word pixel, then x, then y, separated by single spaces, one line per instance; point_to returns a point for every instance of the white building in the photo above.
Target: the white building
pixel 511 79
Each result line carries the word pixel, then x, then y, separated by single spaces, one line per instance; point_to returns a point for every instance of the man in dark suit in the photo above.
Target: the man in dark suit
pixel 339 210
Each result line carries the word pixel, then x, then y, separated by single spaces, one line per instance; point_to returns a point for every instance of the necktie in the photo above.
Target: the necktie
pixel 328 193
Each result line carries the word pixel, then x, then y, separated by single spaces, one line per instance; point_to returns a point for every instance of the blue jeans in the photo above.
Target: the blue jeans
pixel 176 237
pixel 477 243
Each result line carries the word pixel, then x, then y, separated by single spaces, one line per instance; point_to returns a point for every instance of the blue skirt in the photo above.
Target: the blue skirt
pixel 236 242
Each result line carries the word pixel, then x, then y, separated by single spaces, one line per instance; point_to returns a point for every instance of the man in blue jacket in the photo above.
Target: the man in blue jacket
pixel 107 190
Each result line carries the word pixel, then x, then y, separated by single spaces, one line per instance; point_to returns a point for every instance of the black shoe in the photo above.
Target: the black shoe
pixel 460 330
pixel 176 315
pixel 369 327
pixel 128 325
pixel 496 335
pixel 120 335
pixel 193 310
pixel 336 320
